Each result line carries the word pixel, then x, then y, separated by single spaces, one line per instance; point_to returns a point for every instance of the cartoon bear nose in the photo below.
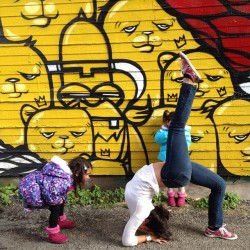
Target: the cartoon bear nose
pixel 64 137
pixel 148 32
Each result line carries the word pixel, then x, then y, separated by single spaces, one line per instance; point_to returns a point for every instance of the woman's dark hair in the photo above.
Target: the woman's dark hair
pixel 167 116
pixel 158 222
pixel 79 167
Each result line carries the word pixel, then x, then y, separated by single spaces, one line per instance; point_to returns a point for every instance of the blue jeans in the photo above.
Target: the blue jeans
pixel 178 170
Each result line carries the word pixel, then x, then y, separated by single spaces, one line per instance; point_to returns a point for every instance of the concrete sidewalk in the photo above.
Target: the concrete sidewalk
pixel 101 229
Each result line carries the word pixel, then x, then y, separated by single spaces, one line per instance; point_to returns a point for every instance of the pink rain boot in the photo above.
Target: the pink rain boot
pixel 171 199
pixel 181 199
pixel 64 223
pixel 55 236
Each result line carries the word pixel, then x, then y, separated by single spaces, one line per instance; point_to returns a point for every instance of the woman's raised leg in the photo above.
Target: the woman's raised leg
pixel 177 170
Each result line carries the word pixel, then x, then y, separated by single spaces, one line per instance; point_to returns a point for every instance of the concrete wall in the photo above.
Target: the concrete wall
pixel 94 77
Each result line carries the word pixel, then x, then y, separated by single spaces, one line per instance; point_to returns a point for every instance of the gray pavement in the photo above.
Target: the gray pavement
pixel 99 229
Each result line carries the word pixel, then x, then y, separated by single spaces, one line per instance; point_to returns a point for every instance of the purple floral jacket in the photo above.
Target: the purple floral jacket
pixel 47 187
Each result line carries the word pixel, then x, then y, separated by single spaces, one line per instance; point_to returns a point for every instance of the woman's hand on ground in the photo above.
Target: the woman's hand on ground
pixel 158 240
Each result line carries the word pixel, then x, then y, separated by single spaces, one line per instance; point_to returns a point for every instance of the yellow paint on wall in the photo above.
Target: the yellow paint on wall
pixel 232 124
pixel 70 86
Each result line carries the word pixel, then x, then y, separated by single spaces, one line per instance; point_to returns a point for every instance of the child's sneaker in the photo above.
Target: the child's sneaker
pixel 221 233
pixel 187 69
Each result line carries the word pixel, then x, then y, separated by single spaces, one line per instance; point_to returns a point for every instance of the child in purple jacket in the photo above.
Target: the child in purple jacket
pixel 49 188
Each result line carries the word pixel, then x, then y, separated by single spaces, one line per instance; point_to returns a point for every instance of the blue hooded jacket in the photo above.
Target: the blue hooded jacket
pixel 161 137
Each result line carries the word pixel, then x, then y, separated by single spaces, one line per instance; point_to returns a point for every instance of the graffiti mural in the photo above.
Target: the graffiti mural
pixel 93 78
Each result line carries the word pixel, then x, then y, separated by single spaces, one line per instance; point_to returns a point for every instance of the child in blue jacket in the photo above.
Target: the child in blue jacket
pixel 161 138
pixel 49 188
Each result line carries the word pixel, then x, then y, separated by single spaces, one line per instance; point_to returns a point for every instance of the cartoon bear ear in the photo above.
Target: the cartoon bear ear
pixel 26 112
pixel 165 58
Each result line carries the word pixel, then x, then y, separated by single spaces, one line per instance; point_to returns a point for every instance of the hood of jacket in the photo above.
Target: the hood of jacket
pixel 57 167
pixel 166 127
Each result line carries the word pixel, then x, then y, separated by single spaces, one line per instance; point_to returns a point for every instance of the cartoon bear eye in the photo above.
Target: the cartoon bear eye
pixel 12 80
pixel 163 26
pixel 213 78
pixel 48 134
pixel 28 76
pixel 78 134
pixel 240 138
pixel 130 29
pixel 195 138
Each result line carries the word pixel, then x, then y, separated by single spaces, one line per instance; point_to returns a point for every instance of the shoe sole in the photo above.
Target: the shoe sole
pixel 224 238
pixel 58 242
pixel 191 66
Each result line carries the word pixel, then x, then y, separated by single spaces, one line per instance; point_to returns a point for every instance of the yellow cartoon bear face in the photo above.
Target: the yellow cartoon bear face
pixel 23 80
pixel 144 27
pixel 66 132
pixel 23 74
pixel 232 123
pixel 216 85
